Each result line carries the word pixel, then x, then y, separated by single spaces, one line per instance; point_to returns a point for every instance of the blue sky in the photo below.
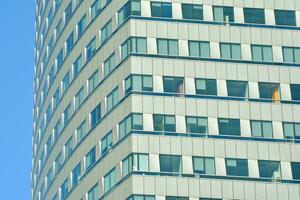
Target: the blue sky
pixel 16 97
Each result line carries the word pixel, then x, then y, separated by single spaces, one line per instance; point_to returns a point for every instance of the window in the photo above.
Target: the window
pixel 170 163
pixel 295 92
pixel 77 65
pixel 138 83
pixel 236 167
pixel 229 126
pixel 254 15
pixel 135 162
pixel 90 48
pixel 133 45
pixel 131 122
pixel 106 143
pixel 93 81
pixel 223 14
pixel 69 147
pixel 132 7
pixel 64 189
pixel 58 162
pixel 67 114
pixel 76 174
pixel 68 13
pixel 167 47
pixel 81 25
pixel 112 99
pixel 49 144
pixel 173 85
pixel 261 129
pixel 269 169
pixel 96 7
pixel 65 82
pixel 285 17
pixel 237 88
pixel 159 9
pixel 164 123
pixel 176 198
pixel 206 86
pixel 106 31
pixel 291 55
pixel 90 158
pixel 69 43
pixel 81 131
pixel 50 176
pixel 291 130
pixel 141 197
pixel 93 193
pixel 79 97
pixel 204 198
pixel 109 64
pixel 109 180
pixel 269 91
pixel 295 170
pixel 58 28
pixel 196 124
pixel 199 49
pixel 230 51
pixel 57 129
pixel 192 11
pixel 262 53
pixel 95 115
pixel 204 165
pixel 51 75
pixel 59 60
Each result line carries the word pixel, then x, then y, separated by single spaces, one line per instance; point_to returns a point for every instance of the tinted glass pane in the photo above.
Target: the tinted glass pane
pixel 295 170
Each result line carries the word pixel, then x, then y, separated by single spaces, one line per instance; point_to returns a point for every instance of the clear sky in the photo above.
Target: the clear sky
pixel 16 97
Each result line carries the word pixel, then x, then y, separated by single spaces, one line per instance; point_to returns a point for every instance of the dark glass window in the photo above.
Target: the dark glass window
pixel 90 158
pixel 237 167
pixel 106 142
pixel 164 123
pixel 285 17
pixel 254 15
pixel 269 169
pixel 230 51
pixel 229 126
pixel 206 86
pixel 192 11
pixel 133 45
pixel 269 91
pixel 295 92
pixel 295 170
pixel 160 9
pixel 261 128
pixel 132 7
pixel 176 198
pixel 95 115
pixel 223 14
pixel 291 130
pixel 170 163
pixel 199 49
pixel 237 88
pixel 131 122
pixel 173 85
pixel 167 47
pixel 262 53
pixel 196 124
pixel 138 83
pixel 141 197
pixel 204 165
pixel 291 54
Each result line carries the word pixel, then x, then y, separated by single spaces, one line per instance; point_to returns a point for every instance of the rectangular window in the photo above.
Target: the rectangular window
pixel 109 180
pixel 254 15
pixel 106 143
pixel 138 83
pixel 59 60
pixel 81 132
pixel 109 64
pixel 295 170
pixel 90 158
pixel 285 17
pixel 164 123
pixel 96 7
pixel 51 75
pixel 173 85
pixel 170 163
pixel 131 122
pixel 58 162
pixel 291 54
pixel 295 92
pixel 176 198
pixel 237 88
pixel 204 165
pixel 76 173
pixel 65 82
pixel 206 86
pixel 132 7
pixel 133 45
pixel 135 162
pixel 69 147
pixel 69 43
pixel 261 129
pixel 77 65
pixel 90 49
pixel 57 129
pixel 64 189
pixel 192 11
pixel 93 81
pixel 81 25
pixel 262 53
pixel 79 97
pixel 50 176
pixel 112 99
pixel 199 49
pixel 167 47
pixel 49 144
pixel 291 130
pixel 160 9
pixel 269 91
pixel 230 51
pixel 229 127
pixel 95 115
pixel 93 193
pixel 141 197
pixel 67 114
pixel 68 13
pixel 106 31
pixel 196 125
pixel 236 167
pixel 58 28
pixel 269 169
pixel 223 14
